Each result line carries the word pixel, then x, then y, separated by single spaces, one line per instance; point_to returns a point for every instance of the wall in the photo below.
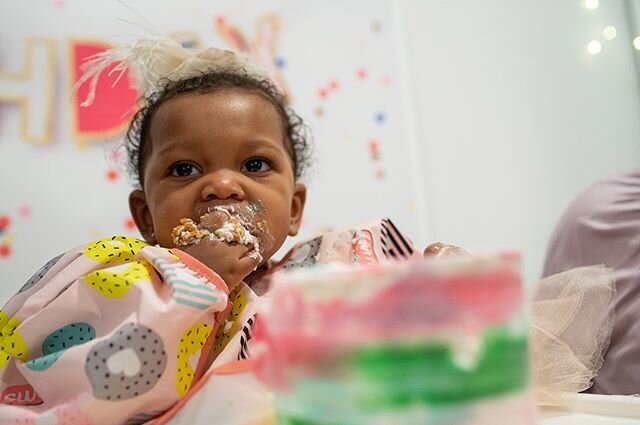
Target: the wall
pixel 515 117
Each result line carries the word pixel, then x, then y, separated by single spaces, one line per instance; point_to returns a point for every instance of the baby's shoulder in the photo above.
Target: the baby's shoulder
pixel 370 243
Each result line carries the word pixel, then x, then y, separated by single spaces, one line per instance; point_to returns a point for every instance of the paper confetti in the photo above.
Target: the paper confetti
pixel 4 223
pixel 323 93
pixel 5 250
pixel 25 211
pixel 387 80
pixel 112 175
pixel 5 239
pixel 130 225
pixel 374 149
pixel 114 157
pixel 380 118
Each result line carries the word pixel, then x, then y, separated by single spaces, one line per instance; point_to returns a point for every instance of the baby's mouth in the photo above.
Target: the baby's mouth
pixel 221 223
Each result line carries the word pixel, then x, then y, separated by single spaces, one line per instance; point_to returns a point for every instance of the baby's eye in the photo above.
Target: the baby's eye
pixel 183 169
pixel 256 165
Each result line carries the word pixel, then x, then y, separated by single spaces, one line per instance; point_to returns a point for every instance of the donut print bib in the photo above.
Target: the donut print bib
pixel 115 331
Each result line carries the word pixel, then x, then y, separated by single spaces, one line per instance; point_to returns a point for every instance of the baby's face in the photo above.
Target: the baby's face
pixel 226 148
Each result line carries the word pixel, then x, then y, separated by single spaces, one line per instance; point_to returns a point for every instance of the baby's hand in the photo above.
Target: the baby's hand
pixel 439 249
pixel 231 261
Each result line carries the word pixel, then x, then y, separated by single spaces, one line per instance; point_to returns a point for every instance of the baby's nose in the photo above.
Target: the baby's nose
pixel 222 184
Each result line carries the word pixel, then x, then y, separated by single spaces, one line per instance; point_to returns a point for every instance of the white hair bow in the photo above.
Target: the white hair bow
pixel 152 61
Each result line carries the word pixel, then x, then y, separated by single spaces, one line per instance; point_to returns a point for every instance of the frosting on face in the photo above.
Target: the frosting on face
pixel 222 223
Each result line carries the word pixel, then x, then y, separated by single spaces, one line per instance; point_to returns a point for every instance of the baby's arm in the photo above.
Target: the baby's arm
pixel 440 249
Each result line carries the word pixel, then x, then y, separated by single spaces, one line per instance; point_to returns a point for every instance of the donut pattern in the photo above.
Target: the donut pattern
pixel 127 364
pixel 229 328
pixel 305 255
pixel 37 276
pixel 115 250
pixel 59 341
pixel 189 351
pixel 11 342
pixel 116 281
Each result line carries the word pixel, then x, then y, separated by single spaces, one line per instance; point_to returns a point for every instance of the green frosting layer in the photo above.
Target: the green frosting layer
pixel 395 377
pixel 401 375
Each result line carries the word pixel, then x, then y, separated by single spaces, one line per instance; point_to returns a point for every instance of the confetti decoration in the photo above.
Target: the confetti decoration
pixel 334 85
pixel 319 112
pixel 114 157
pixel 361 73
pixel 380 118
pixel 4 223
pixel 323 93
pixel 386 81
pixel 376 26
pixel 25 211
pixel 130 225
pixel 112 175
pixel 5 250
pixel 281 62
pixel 374 154
pixel 5 239
pixel 374 149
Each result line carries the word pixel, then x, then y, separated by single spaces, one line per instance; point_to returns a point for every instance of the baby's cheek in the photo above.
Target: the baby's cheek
pixel 163 223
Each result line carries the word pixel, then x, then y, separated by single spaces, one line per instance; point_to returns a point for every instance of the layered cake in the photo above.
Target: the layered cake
pixel 440 342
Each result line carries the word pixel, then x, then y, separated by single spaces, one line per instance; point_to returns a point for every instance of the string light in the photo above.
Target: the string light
pixel 609 32
pixel 594 47
pixel 592 4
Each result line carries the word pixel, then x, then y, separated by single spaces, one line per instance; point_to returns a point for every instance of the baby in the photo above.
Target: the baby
pixel 217 156
pixel 220 145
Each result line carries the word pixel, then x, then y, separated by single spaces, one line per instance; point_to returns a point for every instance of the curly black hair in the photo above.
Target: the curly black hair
pixel 138 145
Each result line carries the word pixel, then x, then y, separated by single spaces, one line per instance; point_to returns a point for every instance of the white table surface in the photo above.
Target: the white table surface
pixel 586 419
pixel 590 409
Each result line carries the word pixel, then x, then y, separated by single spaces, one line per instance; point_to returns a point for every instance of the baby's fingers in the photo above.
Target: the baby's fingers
pixel 249 262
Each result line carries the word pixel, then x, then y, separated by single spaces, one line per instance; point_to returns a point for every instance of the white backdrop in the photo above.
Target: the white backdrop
pixel 489 116
pixel 341 63
pixel 516 116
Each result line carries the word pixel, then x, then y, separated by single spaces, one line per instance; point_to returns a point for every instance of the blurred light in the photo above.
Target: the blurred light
pixel 592 4
pixel 609 32
pixel 636 42
pixel 594 47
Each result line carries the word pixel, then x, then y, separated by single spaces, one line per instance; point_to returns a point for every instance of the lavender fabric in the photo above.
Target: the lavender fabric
pixel 602 226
